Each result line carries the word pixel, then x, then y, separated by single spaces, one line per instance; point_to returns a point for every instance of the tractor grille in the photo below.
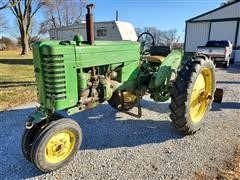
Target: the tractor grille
pixel 54 77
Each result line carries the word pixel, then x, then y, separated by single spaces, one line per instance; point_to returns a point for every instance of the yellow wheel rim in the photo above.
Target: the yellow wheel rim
pixel 201 95
pixel 60 146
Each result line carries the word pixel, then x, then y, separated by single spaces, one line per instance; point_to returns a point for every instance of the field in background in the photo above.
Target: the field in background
pixel 14 54
pixel 17 84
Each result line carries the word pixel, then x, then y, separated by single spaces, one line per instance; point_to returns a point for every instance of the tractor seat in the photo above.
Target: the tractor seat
pixel 155 59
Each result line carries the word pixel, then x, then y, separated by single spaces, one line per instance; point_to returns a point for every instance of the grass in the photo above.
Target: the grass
pixel 17 82
pixel 16 54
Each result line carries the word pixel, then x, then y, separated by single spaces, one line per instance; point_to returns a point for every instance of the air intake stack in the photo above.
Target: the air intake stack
pixel 90 24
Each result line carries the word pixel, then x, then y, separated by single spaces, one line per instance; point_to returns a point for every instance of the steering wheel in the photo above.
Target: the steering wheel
pixel 147 41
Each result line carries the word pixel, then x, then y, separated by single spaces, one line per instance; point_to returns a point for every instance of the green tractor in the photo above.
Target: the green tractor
pixel 78 75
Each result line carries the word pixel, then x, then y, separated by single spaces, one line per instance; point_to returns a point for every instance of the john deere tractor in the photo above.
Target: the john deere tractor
pixel 77 75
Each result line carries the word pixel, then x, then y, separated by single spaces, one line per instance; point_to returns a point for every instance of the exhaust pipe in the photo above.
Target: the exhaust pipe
pixel 90 24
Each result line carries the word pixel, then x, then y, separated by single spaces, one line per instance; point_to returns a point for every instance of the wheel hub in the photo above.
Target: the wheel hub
pixel 201 95
pixel 204 96
pixel 59 147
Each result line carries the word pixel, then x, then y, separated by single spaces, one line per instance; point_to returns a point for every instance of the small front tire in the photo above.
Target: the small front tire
pixel 29 136
pixel 56 145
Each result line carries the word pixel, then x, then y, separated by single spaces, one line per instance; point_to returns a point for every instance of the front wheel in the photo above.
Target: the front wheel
pixel 192 95
pixel 29 136
pixel 56 145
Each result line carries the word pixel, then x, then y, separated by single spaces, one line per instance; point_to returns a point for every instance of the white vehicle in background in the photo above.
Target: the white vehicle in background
pixel 218 51
pixel 112 31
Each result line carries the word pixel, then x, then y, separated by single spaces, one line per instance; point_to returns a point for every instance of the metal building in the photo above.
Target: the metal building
pixel 222 23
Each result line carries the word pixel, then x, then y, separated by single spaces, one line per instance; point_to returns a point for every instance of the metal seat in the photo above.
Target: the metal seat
pixel 154 59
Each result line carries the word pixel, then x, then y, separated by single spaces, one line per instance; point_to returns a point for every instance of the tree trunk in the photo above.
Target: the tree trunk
pixel 24 41
pixel 25 45
pixel 24 12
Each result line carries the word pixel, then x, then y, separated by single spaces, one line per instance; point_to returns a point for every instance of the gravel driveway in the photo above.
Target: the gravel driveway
pixel 118 146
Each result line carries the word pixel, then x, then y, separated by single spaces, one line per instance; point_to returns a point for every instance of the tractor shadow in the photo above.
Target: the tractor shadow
pixel 102 127
pixel 225 105
pixel 26 61
pixel 105 127
pixel 9 84
pixel 234 68
pixel 228 82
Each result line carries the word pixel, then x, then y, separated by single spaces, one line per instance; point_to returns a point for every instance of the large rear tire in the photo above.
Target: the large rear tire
pixel 192 94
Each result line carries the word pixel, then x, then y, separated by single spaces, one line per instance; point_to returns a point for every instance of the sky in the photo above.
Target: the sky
pixel 163 14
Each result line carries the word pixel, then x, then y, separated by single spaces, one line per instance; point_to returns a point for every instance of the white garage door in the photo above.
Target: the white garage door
pixel 225 30
pixel 197 35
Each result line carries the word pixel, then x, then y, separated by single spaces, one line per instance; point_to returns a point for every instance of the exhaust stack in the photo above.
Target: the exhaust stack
pixel 90 24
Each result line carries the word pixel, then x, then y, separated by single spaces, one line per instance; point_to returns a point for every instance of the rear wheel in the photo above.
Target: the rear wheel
pixel 192 95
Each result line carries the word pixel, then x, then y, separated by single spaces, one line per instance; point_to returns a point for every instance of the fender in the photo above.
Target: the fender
pixel 170 64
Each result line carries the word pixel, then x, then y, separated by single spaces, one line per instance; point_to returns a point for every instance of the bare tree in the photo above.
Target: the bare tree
pixel 170 37
pixel 138 31
pixel 38 29
pixel 3 22
pixel 8 4
pixel 63 13
pixel 157 34
pixel 24 11
pixel 167 38
pixel 228 2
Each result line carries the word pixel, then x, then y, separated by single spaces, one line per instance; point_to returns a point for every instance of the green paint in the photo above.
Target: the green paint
pixel 56 75
pixel 37 116
pixel 57 66
pixel 82 80
pixel 169 65
pixel 62 71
